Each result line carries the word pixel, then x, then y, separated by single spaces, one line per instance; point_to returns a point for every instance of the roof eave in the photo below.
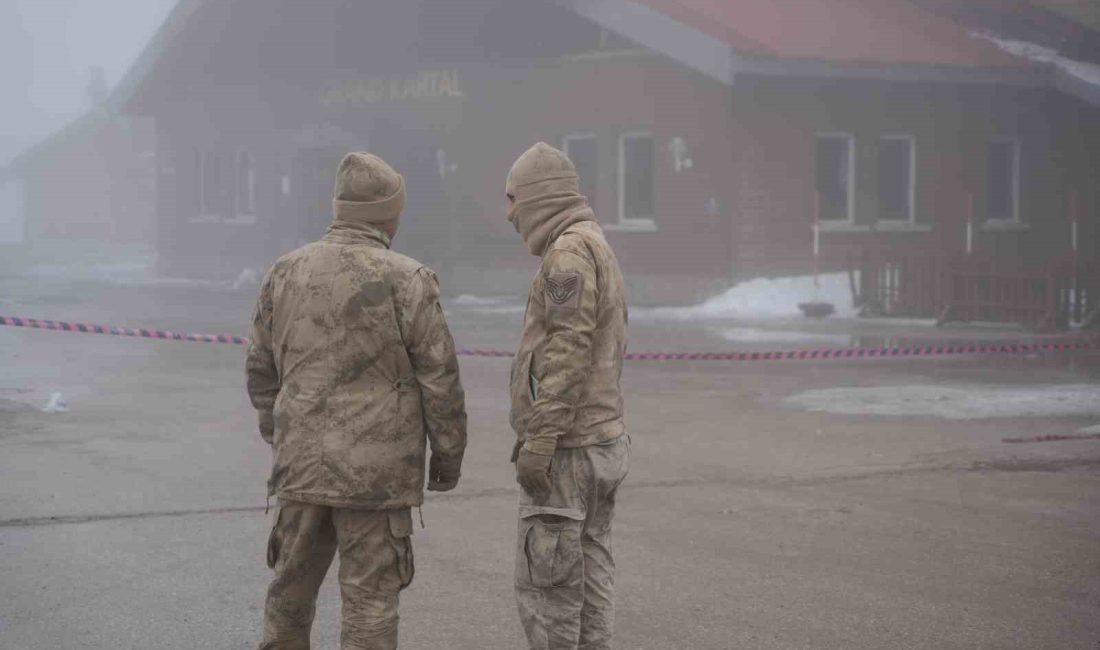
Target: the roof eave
pixel 719 61
pixel 660 33
pixel 1077 87
pixel 898 73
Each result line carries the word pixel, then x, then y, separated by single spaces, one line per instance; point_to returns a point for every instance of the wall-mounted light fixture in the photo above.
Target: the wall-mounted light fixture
pixel 681 157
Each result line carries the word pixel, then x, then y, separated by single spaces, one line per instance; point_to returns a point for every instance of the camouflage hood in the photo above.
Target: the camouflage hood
pixel 545 186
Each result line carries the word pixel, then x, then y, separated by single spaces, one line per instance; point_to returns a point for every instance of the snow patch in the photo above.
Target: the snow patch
pixel 765 298
pixel 753 335
pixel 1083 70
pixel 136 272
pixel 247 278
pixel 120 271
pixel 1093 429
pixel 959 402
pixel 56 404
pixel 481 305
pixel 468 300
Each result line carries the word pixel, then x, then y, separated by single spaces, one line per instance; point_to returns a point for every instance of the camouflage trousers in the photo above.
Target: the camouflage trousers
pixel 376 563
pixel 565 572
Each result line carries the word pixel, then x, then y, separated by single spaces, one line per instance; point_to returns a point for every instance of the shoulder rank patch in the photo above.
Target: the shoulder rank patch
pixel 563 290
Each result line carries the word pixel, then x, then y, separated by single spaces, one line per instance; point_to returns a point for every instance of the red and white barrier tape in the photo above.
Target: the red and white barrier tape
pixel 1052 438
pixel 782 355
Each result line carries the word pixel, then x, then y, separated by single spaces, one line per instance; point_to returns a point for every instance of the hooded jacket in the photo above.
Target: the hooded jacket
pixel 351 364
pixel 565 382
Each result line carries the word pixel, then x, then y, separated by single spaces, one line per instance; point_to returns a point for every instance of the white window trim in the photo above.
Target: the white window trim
pixel 204 216
pixel 624 224
pixel 575 136
pixel 249 211
pixel 851 138
pixel 1015 222
pixel 892 224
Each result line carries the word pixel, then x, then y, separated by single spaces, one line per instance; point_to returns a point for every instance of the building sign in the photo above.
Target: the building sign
pixel 419 87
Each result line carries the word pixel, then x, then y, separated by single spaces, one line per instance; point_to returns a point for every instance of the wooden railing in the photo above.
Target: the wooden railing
pixel 1037 296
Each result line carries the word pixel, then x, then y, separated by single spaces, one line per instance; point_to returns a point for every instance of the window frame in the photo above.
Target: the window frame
pixel 201 214
pixel 912 198
pixel 1017 154
pixel 585 135
pixel 851 189
pixel 633 223
pixel 246 216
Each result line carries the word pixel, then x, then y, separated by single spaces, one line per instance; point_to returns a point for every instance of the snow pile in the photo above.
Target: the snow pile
pixel 136 272
pixel 56 404
pixel 248 278
pixel 1090 430
pixel 1082 70
pixel 467 302
pixel 959 402
pixel 765 298
pixel 754 335
pixel 120 271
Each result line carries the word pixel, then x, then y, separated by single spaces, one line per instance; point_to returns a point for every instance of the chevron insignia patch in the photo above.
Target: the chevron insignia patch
pixel 564 290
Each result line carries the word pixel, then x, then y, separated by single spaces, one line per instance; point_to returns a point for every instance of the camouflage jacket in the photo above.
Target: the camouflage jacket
pixel 353 369
pixel 565 377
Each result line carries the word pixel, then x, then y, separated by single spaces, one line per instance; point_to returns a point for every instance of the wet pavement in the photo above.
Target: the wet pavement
pixel 136 519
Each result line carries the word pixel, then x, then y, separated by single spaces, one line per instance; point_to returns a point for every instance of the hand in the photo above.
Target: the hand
pixel 443 475
pixel 267 426
pixel 533 473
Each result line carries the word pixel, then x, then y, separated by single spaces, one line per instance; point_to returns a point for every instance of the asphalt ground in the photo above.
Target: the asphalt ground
pixel 136 519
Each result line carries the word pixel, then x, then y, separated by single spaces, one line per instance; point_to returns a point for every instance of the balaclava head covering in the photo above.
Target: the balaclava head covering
pixel 368 194
pixel 547 197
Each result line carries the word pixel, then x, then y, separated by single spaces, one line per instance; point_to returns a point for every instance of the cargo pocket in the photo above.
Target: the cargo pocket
pixel 401 539
pixel 274 544
pixel 552 550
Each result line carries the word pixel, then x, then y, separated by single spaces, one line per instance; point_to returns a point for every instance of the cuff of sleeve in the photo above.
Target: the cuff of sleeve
pixel 541 446
pixel 267 426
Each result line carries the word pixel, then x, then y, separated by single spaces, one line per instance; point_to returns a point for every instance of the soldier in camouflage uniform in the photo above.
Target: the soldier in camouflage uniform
pixel 572 450
pixel 353 372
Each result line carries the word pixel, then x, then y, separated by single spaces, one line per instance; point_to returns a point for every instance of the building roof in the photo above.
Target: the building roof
pixel 79 129
pixel 855 32
pixel 894 40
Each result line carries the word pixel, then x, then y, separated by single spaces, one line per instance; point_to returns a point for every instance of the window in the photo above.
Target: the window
pixel 836 163
pixel 636 167
pixel 212 186
pixel 246 184
pixel 581 149
pixel 896 178
pixel 1002 189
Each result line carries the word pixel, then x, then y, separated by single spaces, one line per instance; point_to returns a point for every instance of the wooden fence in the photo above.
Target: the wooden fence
pixel 1041 297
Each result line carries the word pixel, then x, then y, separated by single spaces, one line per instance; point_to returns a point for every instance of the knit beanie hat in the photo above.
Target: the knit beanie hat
pixel 368 191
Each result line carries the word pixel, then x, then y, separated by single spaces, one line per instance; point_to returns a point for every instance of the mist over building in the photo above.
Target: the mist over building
pixel 717 142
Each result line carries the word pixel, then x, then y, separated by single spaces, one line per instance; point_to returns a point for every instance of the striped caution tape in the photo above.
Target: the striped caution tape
pixel 782 355
pixel 83 328
pixel 1052 438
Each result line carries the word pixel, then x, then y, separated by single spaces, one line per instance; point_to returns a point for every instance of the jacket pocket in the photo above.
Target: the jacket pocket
pixel 274 542
pixel 400 522
pixel 551 551
pixel 521 393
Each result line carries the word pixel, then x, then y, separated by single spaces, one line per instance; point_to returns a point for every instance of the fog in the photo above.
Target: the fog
pixel 860 243
pixel 49 51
